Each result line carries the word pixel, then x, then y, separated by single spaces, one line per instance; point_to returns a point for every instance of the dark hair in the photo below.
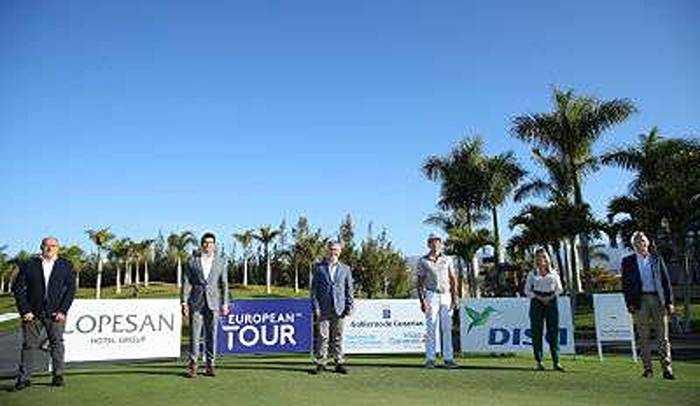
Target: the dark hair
pixel 207 235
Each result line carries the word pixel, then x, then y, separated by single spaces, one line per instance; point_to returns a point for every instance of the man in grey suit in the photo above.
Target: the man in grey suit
pixel 204 293
pixel 332 295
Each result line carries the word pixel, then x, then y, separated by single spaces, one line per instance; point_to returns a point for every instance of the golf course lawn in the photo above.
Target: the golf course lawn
pixel 380 380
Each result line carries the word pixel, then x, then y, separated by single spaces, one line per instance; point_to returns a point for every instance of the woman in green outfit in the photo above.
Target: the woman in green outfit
pixel 542 286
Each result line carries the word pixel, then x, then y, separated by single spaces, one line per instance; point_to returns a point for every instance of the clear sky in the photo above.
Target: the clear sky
pixel 225 115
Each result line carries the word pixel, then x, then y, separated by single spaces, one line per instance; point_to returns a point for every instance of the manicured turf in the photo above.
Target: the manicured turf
pixel 399 380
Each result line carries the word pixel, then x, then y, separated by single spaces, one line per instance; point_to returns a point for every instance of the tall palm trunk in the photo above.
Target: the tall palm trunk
pixel 475 275
pixel 497 251
pixel 296 278
pixel 145 272
pixel 268 269
pixel 137 279
pixel 127 273
pixel 98 289
pixel 585 243
pixel 2 284
pixel 686 288
pixel 119 276
pixel 245 269
pixel 77 279
pixel 179 271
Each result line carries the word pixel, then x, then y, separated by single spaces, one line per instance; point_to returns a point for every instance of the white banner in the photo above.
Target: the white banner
pixel 503 325
pixel 612 321
pixel 385 326
pixel 123 329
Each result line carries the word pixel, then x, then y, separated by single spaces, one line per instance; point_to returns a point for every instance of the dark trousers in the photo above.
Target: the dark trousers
pixel 539 313
pixel 33 335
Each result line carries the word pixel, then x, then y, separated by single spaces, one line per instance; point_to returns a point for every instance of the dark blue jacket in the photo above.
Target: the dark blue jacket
pixel 632 281
pixel 332 297
pixel 30 292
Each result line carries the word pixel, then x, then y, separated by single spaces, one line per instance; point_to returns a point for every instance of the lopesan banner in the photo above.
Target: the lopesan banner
pixel 385 326
pixel 117 329
pixel 503 325
pixel 266 326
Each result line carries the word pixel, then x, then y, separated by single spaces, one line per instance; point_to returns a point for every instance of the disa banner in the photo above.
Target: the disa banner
pixel 118 329
pixel 502 324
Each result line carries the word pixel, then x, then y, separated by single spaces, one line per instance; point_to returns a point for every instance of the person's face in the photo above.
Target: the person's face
pixel 334 251
pixel 542 261
pixel 208 246
pixel 435 245
pixel 49 248
pixel 641 244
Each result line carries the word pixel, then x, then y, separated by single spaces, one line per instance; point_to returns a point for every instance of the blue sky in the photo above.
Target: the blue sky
pixel 229 115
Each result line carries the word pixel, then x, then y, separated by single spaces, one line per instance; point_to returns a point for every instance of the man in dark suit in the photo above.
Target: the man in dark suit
pixel 332 295
pixel 44 291
pixel 649 299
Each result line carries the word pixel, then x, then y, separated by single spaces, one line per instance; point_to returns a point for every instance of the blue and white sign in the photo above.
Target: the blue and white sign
pixel 503 325
pixel 266 326
pixel 385 326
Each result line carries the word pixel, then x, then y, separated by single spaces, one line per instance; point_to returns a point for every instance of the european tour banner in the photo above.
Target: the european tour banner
pixel 266 326
pixel 503 325
pixel 385 326
pixel 115 329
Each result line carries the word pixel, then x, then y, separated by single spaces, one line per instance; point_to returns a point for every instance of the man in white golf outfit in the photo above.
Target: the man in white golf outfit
pixel 437 291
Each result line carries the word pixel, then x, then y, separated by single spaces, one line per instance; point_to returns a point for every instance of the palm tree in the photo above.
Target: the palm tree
pixel 569 132
pixel 246 240
pixel 465 243
pixel 5 267
pixel 266 235
pixel 502 174
pixel 118 253
pixel 660 194
pixel 178 243
pixel 145 251
pixel 75 255
pixel 100 237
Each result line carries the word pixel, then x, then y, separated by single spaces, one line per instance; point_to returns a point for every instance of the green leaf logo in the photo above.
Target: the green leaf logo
pixel 478 318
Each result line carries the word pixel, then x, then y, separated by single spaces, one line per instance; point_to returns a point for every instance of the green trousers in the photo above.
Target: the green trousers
pixel 539 313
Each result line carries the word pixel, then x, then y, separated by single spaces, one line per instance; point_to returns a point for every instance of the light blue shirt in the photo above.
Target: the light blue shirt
pixel 646 273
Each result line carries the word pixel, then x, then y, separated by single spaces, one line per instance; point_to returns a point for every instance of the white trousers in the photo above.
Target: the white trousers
pixel 439 310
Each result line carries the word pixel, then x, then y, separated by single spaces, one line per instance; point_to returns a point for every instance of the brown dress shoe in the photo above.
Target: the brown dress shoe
pixel 191 371
pixel 210 371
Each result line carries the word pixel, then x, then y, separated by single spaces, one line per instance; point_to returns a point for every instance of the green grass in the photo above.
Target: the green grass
pixel 388 380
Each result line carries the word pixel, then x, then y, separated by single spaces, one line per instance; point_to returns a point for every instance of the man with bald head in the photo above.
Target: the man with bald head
pixel 44 291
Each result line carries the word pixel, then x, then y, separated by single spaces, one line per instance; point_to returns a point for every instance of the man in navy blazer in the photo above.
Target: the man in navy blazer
pixel 648 294
pixel 332 295
pixel 44 291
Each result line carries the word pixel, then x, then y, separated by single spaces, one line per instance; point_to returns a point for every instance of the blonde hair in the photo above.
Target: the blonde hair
pixel 543 251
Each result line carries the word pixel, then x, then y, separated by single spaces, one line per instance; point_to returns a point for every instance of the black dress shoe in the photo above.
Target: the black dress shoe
pixel 24 384
pixel 341 369
pixel 669 375
pixel 648 373
pixel 318 370
pixel 58 381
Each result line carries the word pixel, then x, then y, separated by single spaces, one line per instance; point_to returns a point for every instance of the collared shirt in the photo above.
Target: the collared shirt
pixel 550 283
pixel 206 261
pixel 47 266
pixel 646 273
pixel 436 272
pixel 332 268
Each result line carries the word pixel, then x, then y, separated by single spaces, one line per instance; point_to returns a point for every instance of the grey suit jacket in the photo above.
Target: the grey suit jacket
pixel 198 291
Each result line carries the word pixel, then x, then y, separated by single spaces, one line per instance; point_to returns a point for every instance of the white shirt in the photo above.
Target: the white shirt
pixel 549 283
pixel 47 266
pixel 646 273
pixel 206 261
pixel 332 268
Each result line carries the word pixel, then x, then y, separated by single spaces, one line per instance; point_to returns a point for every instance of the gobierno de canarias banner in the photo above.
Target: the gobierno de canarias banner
pixel 494 325
pixel 116 329
pixel 385 326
